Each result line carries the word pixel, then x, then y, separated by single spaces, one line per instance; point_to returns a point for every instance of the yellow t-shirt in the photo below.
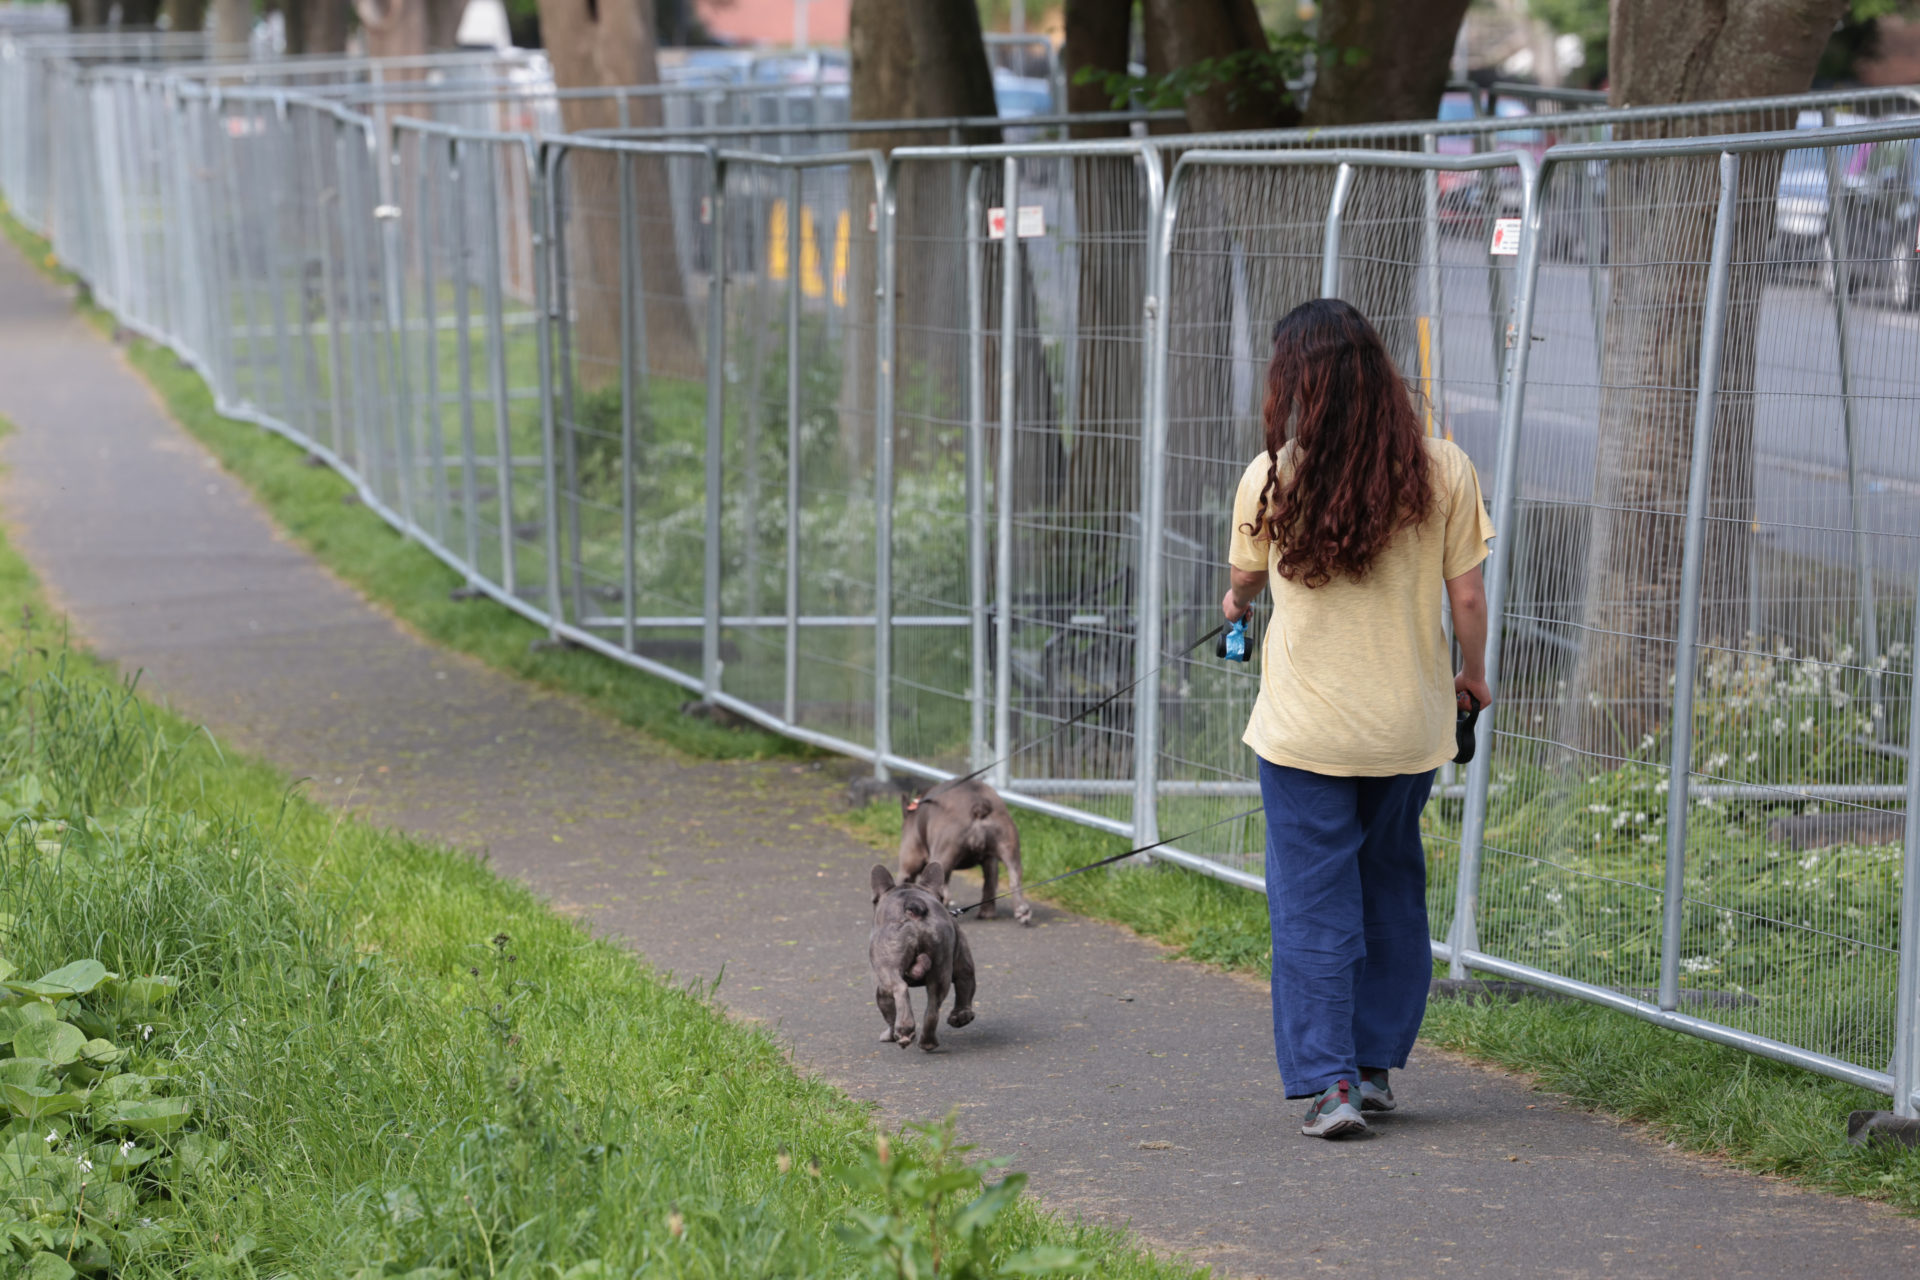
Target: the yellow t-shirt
pixel 1355 677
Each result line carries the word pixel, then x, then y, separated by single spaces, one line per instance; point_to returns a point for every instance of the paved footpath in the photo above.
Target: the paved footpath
pixel 1133 1088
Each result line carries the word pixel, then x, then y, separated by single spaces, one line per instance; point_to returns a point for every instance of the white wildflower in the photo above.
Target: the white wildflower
pixel 85 1165
pixel 1699 964
pixel 126 1147
pixel 53 1137
pixel 146 1032
pixel 1809 862
pixel 1554 896
pixel 1599 808
pixel 1779 725
pixel 1806 726
pixel 1752 756
pixel 1717 761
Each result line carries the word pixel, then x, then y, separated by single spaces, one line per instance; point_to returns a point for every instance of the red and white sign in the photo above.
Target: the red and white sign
pixel 1030 221
pixel 1506 238
pixel 873 216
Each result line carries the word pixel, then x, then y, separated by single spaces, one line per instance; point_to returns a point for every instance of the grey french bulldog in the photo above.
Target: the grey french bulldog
pixel 917 943
pixel 959 827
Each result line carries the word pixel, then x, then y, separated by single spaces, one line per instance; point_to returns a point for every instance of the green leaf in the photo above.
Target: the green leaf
pixel 1044 1260
pixel 75 979
pixel 123 1088
pixel 13 1017
pixel 57 1042
pixel 48 1266
pixel 34 1071
pixel 154 989
pixel 36 1104
pixel 162 1115
pixel 102 1053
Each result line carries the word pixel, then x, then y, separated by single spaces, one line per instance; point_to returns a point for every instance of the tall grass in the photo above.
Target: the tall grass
pixel 399 1064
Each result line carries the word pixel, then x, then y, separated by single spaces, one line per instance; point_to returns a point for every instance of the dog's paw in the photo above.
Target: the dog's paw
pixel 929 1045
pixel 889 1036
pixel 960 1017
pixel 905 1038
pixel 989 912
pixel 1024 915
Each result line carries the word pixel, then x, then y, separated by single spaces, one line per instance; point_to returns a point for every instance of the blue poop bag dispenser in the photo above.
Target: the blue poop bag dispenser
pixel 1233 645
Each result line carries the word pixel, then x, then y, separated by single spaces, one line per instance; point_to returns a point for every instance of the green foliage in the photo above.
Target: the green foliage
pixel 93 1153
pixel 935 1216
pixel 1251 76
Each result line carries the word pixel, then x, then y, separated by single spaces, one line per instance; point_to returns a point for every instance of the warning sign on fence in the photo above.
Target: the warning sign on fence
pixel 1031 222
pixel 1506 237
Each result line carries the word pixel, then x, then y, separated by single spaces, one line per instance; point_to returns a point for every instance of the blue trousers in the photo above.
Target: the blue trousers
pixel 1347 894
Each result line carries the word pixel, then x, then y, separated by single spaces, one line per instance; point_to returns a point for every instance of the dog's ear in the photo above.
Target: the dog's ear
pixel 908 802
pixel 934 876
pixel 882 881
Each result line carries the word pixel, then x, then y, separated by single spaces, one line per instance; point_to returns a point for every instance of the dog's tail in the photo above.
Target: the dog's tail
pixel 982 808
pixel 922 963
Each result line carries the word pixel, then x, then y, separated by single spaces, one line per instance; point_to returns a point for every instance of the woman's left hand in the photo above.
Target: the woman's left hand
pixel 1232 607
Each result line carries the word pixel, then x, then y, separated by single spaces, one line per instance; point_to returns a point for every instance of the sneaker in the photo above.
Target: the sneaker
pixel 1333 1114
pixel 1375 1093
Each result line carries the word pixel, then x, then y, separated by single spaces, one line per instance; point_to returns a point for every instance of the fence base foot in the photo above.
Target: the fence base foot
pixel 465 593
pixel 1864 1127
pixel 314 460
pixel 713 713
pixel 1477 990
pixel 550 644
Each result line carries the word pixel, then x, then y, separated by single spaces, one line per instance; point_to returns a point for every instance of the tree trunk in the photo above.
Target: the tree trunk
pixel 186 15
pixel 139 13
pixel 1184 32
pixel 232 24
pixel 1403 52
pixel 1098 33
pixel 606 44
pixel 317 26
pixel 408 28
pixel 1660 214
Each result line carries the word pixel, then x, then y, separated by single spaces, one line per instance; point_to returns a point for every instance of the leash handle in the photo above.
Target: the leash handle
pixel 1464 740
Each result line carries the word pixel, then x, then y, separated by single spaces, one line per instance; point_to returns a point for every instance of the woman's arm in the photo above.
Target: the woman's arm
pixel 1469 601
pixel 1246 588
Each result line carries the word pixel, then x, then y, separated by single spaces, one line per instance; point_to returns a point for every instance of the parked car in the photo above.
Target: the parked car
pixel 1880 203
pixel 1466 198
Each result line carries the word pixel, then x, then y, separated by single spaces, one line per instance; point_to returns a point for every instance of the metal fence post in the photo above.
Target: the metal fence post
pixel 424 210
pixel 495 300
pixel 392 251
pixel 1906 1010
pixel 1003 479
pixel 541 220
pixel 1464 936
pixel 1692 567
pixel 629 303
pixel 884 178
pixel 1151 596
pixel 978 752
pixel 1330 244
pixel 716 421
pixel 1837 246
pixel 790 674
pixel 462 306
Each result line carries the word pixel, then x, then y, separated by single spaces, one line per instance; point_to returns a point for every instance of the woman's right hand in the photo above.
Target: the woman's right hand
pixel 1232 608
pixel 1477 686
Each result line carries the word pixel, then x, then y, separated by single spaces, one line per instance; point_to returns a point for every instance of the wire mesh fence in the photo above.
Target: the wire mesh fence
pixel 921 456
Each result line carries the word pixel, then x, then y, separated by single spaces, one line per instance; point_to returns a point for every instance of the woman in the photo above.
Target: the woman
pixel 1355 520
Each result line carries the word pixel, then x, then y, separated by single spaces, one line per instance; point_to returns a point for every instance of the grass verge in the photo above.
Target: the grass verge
pixel 380 1059
pixel 1701 1096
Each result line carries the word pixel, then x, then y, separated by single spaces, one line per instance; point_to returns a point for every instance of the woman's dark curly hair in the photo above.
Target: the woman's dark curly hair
pixel 1360 470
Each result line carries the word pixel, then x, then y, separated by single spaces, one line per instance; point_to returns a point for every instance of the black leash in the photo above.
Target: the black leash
pixel 961 911
pixel 1105 702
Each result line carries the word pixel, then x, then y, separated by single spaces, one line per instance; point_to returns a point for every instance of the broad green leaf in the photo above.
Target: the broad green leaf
pixel 1045 1260
pixel 13 1017
pixel 162 1115
pixel 110 1202
pixel 48 1266
pixel 31 1235
pixel 75 979
pixel 154 989
pixel 102 1053
pixel 591 1269
pixel 36 1105
pixel 33 1071
pixel 6 966
pixel 57 1042
pixel 122 1088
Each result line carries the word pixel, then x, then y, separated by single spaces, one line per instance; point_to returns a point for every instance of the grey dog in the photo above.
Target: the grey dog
pixel 916 943
pixel 962 826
